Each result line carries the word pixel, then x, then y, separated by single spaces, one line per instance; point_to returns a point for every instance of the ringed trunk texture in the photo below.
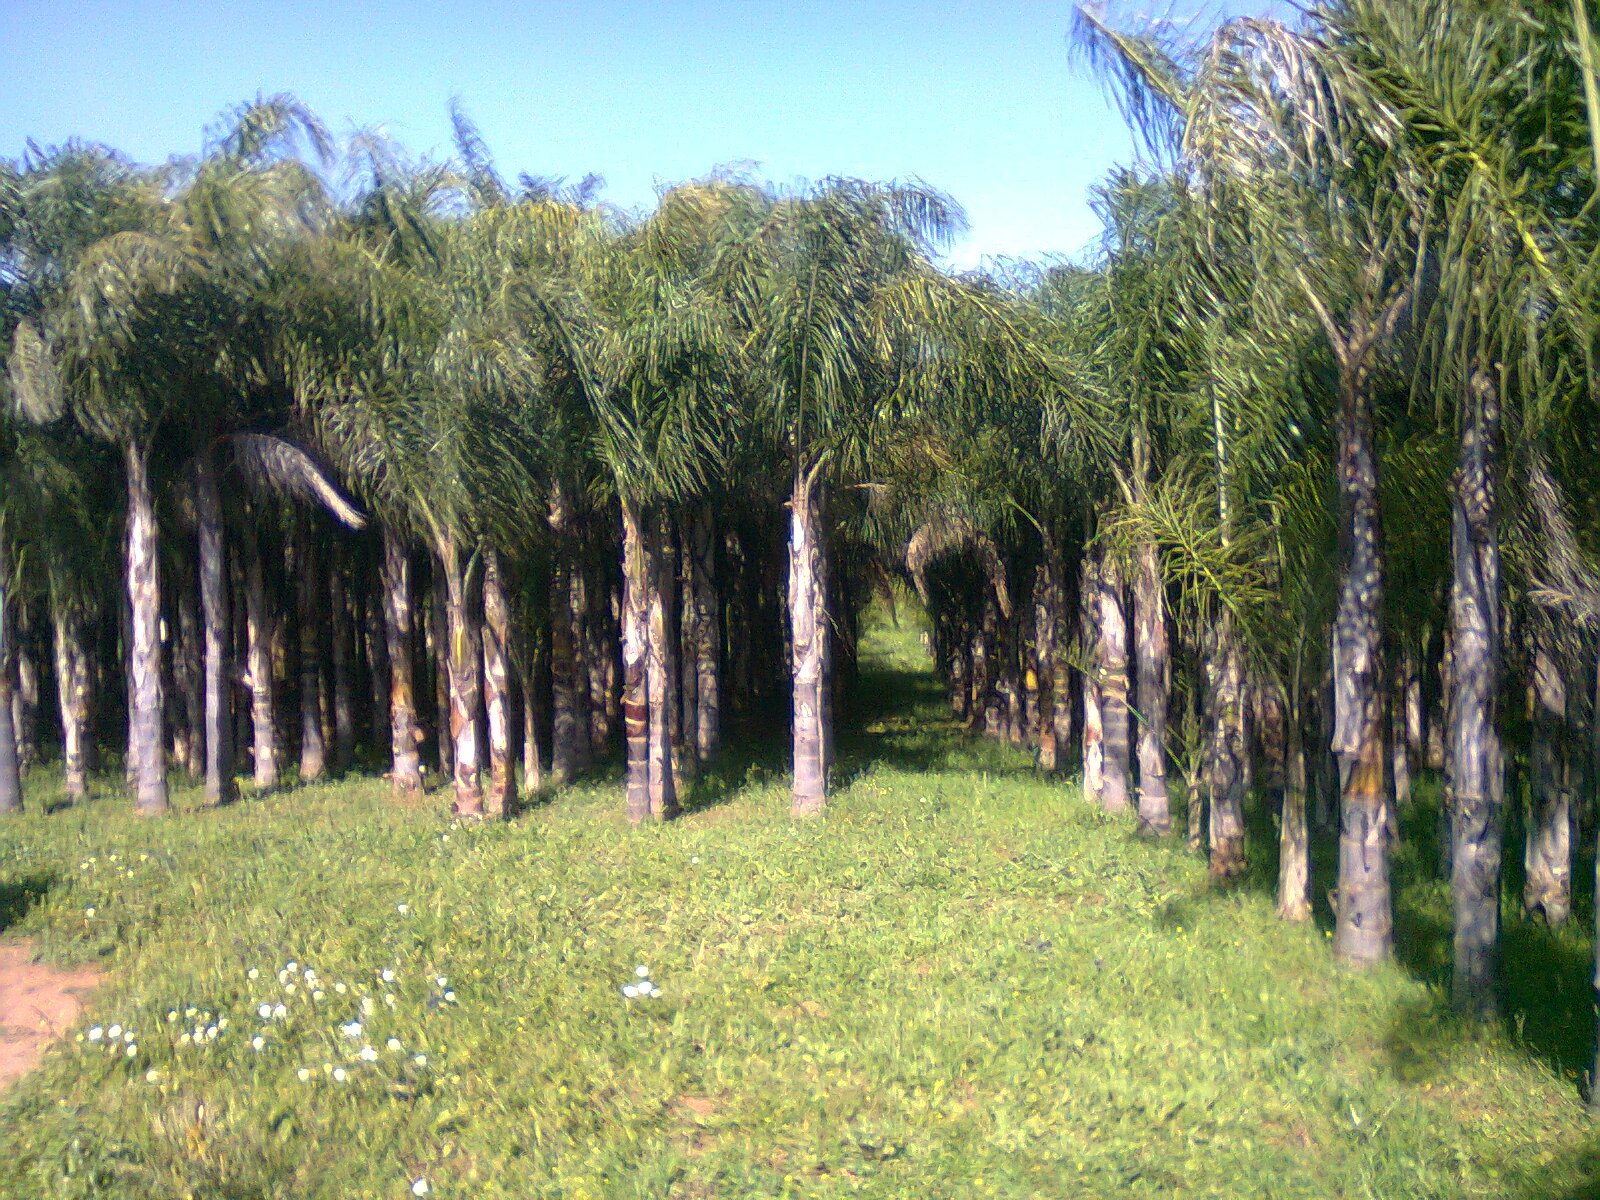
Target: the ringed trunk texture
pixel 1364 921
pixel 73 688
pixel 708 635
pixel 1294 835
pixel 10 769
pixel 1472 739
pixel 1093 727
pixel 1547 893
pixel 464 653
pixel 1112 663
pixel 532 721
pixel 1046 632
pixel 661 677
pixel 1228 753
pixel 1154 664
pixel 808 632
pixel 258 654
pixel 220 786
pixel 497 685
pixel 145 754
pixel 399 625
pixel 635 686
pixel 308 567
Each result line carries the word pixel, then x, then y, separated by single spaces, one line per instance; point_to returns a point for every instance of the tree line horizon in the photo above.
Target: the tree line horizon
pixel 1285 498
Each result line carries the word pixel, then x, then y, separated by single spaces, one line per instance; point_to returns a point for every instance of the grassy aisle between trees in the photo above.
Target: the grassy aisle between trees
pixel 962 982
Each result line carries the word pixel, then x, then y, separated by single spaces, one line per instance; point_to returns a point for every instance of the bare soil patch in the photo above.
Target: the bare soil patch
pixel 38 1004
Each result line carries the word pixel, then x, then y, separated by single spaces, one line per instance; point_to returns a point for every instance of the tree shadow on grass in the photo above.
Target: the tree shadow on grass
pixel 20 894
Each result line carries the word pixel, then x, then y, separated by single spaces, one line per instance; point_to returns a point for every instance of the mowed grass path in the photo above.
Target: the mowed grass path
pixel 962 982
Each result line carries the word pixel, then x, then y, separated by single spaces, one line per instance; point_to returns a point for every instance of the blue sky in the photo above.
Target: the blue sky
pixel 979 100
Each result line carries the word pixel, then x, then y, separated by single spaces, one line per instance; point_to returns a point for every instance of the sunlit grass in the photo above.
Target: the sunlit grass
pixel 961 982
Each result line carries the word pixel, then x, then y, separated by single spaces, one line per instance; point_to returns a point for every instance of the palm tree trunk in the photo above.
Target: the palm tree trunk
pixel 1227 758
pixel 220 787
pixel 1547 892
pixel 1094 739
pixel 72 689
pixel 497 685
pixel 464 661
pixel 439 662
pixel 1046 623
pixel 1294 835
pixel 1112 663
pixel 688 652
pixel 10 771
pixel 635 685
pixel 1154 663
pixel 660 674
pixel 399 630
pixel 1364 929
pixel 708 635
pixel 808 631
pixel 188 721
pixel 308 565
pixel 565 680
pixel 341 656
pixel 527 663
pixel 145 751
pixel 1472 740
pixel 258 627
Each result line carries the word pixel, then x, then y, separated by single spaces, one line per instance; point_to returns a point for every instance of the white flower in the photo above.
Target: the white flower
pixel 311 976
pixel 303 1074
pixel 629 990
pixel 258 1042
pixel 132 1049
pixel 449 997
pixel 191 1011
pixel 223 1023
pixel 264 1012
pixel 339 987
pixel 252 973
pixel 368 1054
pixel 288 989
pixel 388 999
pixel 127 1035
pixel 292 965
pixel 421 1060
pixel 317 994
pixel 419 1187
pixel 339 1074
pixel 279 1011
pixel 442 981
pixel 95 1033
pixel 386 975
pixel 641 972
pixel 88 912
pixel 172 1015
pixel 114 1032
pixel 367 1006
pixel 654 991
pixel 695 859
pixel 394 1044
pixel 152 1076
pixel 402 909
pixel 351 1029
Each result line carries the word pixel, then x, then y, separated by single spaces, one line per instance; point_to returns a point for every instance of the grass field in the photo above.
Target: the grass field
pixel 962 982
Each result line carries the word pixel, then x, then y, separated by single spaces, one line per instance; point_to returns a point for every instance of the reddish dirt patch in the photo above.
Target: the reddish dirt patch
pixel 37 1005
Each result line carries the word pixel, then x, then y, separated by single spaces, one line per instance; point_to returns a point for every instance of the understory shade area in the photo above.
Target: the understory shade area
pixel 964 981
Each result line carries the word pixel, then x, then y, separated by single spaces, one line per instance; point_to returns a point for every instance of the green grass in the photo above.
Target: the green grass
pixel 962 982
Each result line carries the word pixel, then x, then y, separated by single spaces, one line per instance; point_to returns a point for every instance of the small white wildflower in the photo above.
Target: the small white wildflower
pixel 288 989
pixel 303 1074
pixel 283 977
pixel 264 1011
pixel 172 1015
pixel 222 1023
pixel 252 974
pixel 279 1011
pixel 292 965
pixel 191 1012
pixel 695 859
pixel 258 1042
pixel 114 1032
pixel 88 912
pixel 386 975
pixel 133 1049
pixel 368 1054
pixel 311 976
pixel 351 1030
pixel 96 1033
pixel 339 987
pixel 442 981
pixel 127 1035
pixel 421 1060
pixel 629 990
pixel 449 997
pixel 394 1044
pixel 654 991
pixel 318 994
pixel 152 1076
pixel 642 972
pixel 419 1187
pixel 388 999
pixel 339 1075
pixel 402 909
pixel 368 1006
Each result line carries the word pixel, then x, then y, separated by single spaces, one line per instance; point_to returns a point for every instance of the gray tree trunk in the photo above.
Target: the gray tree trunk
pixel 1547 855
pixel 341 655
pixel 661 674
pixel 1094 747
pixel 308 581
pixel 72 689
pixel 463 655
pixel 497 685
pixel 1294 833
pixel 258 655
pixel 1228 756
pixel 808 632
pixel 635 653
pixel 399 624
pixel 708 635
pixel 220 786
pixel 146 755
pixel 1472 740
pixel 1154 663
pixel 10 770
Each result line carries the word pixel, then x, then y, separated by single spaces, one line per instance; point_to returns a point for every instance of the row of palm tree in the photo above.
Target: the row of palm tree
pixel 1277 500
